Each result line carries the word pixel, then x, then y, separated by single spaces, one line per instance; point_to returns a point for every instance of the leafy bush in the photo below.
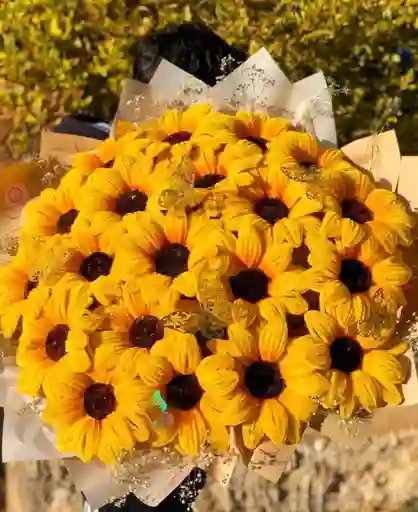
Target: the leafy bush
pixel 71 56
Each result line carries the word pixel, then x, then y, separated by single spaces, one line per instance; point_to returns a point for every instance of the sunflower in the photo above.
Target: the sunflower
pixel 195 415
pixel 262 392
pixel 161 257
pixel 364 372
pixel 54 212
pixel 130 188
pixel 99 414
pixel 258 130
pixel 225 168
pixel 21 292
pixel 178 133
pixel 275 204
pixel 136 327
pixel 87 257
pixel 57 339
pixel 86 163
pixel 255 272
pixel 360 209
pixel 350 279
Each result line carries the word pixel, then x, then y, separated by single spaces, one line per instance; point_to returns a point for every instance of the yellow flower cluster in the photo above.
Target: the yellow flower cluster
pixel 230 263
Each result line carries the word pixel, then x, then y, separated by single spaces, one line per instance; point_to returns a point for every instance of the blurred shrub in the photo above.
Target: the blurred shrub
pixel 69 56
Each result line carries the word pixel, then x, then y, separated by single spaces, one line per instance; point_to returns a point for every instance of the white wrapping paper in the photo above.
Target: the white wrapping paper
pixel 258 85
pixel 98 485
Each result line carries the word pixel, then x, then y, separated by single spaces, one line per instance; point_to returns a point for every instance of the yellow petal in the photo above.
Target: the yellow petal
pixel 272 340
pixel 385 236
pixel 175 227
pixel 345 314
pixel 321 325
pixel 191 431
pixel 239 409
pixel 184 354
pixel 252 434
pixel 300 407
pixel 366 389
pixel 337 390
pixel 384 367
pixel 309 385
pixel 242 344
pixel 350 404
pixel 351 233
pixel 392 395
pixel 273 420
pixel 211 408
pixel 153 371
pixel 216 374
pixel 334 294
pixel 305 355
pixel 294 232
pixel 361 307
pixel 185 284
pixel 249 248
pixel 391 272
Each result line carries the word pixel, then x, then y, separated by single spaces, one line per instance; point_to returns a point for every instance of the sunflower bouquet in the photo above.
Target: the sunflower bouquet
pixel 203 279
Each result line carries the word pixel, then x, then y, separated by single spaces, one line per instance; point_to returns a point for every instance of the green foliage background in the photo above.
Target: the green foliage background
pixel 62 56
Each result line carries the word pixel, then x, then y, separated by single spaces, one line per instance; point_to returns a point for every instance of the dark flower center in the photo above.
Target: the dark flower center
pixel 55 342
pixel 145 331
pixel 172 260
pixel 296 325
pixel 208 181
pixel 183 392
pixel 30 285
pixel 130 202
pixel 250 285
pixel 258 141
pixel 96 265
pixel 178 137
pixel 346 355
pixel 271 210
pixel 263 380
pixel 65 221
pixel 99 401
pixel 356 211
pixel 355 276
pixel 108 164
pixel 300 256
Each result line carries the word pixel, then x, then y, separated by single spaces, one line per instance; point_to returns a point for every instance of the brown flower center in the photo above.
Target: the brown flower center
pixel 96 265
pixel 258 141
pixel 356 211
pixel 183 392
pixel 263 380
pixel 55 342
pixel 30 285
pixel 250 285
pixel 271 210
pixel 130 202
pixel 99 401
pixel 208 181
pixel 145 331
pixel 109 164
pixel 65 221
pixel 172 260
pixel 178 137
pixel 346 355
pixel 355 276
pixel 300 256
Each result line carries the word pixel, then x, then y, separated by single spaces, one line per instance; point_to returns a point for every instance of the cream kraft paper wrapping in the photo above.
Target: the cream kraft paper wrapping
pixel 258 85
